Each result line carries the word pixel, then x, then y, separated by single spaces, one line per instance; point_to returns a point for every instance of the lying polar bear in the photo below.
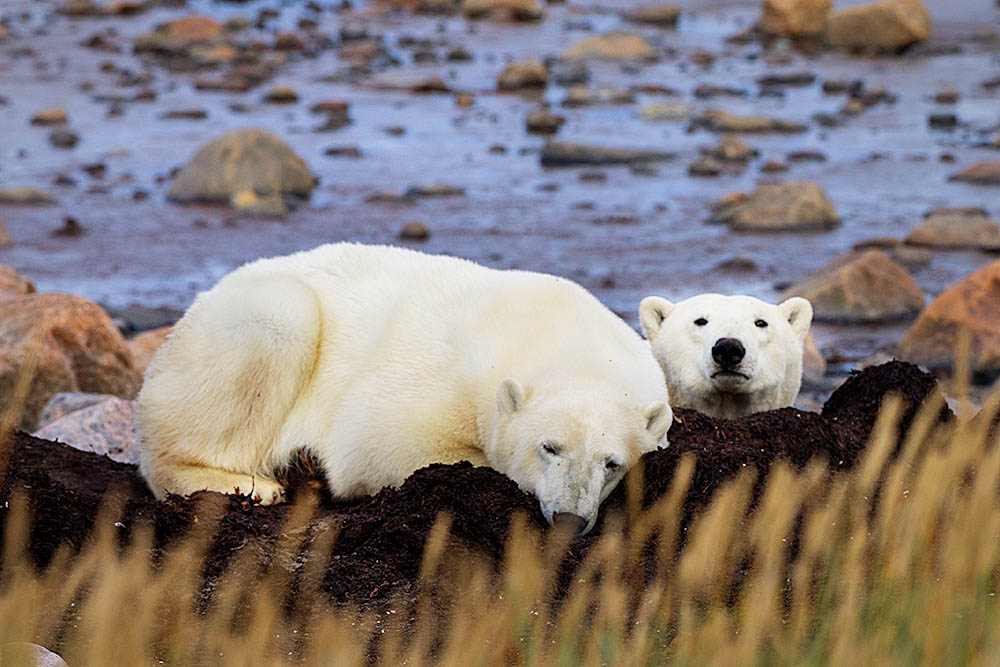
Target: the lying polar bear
pixel 728 356
pixel 379 361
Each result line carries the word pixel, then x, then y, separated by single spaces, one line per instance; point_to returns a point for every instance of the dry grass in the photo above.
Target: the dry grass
pixel 897 562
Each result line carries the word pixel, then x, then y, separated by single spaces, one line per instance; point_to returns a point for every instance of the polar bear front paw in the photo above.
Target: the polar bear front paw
pixel 267 492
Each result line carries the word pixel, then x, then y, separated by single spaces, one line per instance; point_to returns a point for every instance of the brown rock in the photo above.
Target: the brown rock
pixel 794 18
pixel 956 228
pixel 288 41
pixel 615 45
pixel 13 283
pixel 705 166
pixel 414 231
pixel 867 287
pixel 889 25
pixel 25 197
pixel 176 37
pixel 565 154
pixel 411 81
pixel 791 206
pixel 664 16
pixel 543 122
pixel 971 308
pixel 732 149
pixel 243 160
pixel 526 74
pixel 145 345
pixel 281 95
pixel 5 241
pixel 79 349
pixel 513 10
pixel 813 363
pixel 50 116
pixel 982 173
pixel 581 96
pixel 718 120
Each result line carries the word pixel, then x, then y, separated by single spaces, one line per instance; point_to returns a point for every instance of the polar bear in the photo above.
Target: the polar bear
pixel 379 361
pixel 728 356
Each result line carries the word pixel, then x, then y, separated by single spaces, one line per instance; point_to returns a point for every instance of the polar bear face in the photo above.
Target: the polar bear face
pixel 571 448
pixel 728 356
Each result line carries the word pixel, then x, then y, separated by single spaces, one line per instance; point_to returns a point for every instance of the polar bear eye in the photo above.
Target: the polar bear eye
pixel 551 448
pixel 761 323
pixel 612 465
pixel 701 321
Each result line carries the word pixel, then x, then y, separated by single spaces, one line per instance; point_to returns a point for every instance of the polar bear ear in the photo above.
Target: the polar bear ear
pixel 652 311
pixel 510 396
pixel 799 313
pixel 658 417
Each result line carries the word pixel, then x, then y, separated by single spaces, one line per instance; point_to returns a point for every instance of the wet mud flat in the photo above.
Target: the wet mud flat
pixel 623 233
pixel 377 551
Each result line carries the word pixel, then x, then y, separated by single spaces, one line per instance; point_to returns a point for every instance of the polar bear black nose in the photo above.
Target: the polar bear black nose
pixel 728 352
pixel 572 522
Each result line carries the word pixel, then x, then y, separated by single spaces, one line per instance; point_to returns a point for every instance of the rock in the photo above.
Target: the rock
pixel 718 120
pixel 435 190
pixel 23 654
pixel 813 363
pixel 615 45
pixel 543 122
pixel 525 74
pixel 4 32
pixel 942 121
pixel 889 25
pixel 866 287
pixel 13 283
pixel 63 138
pixel 270 205
pixel 343 151
pixel 288 41
pixel 791 206
pixel 971 308
pixel 806 156
pixel 581 96
pixel 108 427
pixel 281 95
pixel 835 86
pixel 565 154
pixel 177 37
pixel 79 349
pixel 664 16
pixel 706 166
pixel 912 257
pixel 981 173
pixel 71 228
pixel 414 231
pixel 786 79
pixel 570 73
pixel 25 197
pixel 242 160
pixel 794 18
pixel 145 345
pixel 732 149
pixel 513 10
pixel 705 91
pixel 773 167
pixel 5 241
pixel 65 402
pixel 410 81
pixel 665 111
pixel 51 116
pixel 184 114
pixel 946 95
pixel 956 228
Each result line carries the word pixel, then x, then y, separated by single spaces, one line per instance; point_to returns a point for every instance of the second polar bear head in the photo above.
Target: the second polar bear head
pixel 571 447
pixel 728 356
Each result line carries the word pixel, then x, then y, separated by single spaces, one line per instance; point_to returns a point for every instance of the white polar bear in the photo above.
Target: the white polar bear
pixel 379 361
pixel 728 356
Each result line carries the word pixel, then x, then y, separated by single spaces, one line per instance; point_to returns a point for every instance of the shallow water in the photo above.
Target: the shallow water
pixel 883 168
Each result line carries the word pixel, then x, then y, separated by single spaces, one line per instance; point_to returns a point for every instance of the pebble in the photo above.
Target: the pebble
pixel 63 138
pixel 52 116
pixel 414 231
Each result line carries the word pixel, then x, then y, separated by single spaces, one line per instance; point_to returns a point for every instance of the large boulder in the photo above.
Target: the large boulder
pixel 886 26
pixel 956 228
pixel 794 18
pixel 13 283
pixel 108 427
pixel 248 160
pixel 791 206
pixel 78 348
pixel 971 307
pixel 615 45
pixel 867 287
pixel 981 173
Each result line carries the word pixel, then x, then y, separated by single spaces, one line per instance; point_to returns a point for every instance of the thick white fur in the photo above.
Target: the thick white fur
pixel 773 361
pixel 380 360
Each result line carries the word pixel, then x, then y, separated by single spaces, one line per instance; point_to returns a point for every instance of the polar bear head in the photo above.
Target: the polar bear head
pixel 571 447
pixel 728 356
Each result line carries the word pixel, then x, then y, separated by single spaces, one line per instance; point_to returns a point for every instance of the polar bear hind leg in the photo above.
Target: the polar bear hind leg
pixel 212 406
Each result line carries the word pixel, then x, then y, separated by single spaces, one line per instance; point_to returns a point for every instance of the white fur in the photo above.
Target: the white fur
pixel 379 361
pixel 773 361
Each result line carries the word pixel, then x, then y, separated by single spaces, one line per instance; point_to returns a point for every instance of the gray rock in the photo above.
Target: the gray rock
pixel 109 428
pixel 65 402
pixel 23 654
pixel 566 154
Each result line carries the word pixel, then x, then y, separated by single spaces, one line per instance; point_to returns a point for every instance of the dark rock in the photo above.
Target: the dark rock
pixel 63 138
pixel 562 154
